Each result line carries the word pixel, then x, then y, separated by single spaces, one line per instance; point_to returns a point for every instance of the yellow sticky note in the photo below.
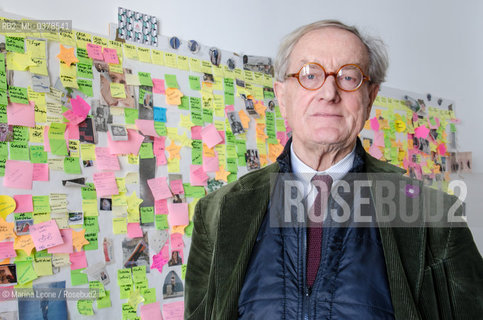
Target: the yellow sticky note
pixel 117 90
pixel 132 79
pixel 83 39
pixel 67 38
pixel 173 165
pixel 40 67
pixel 157 57
pixel 119 225
pixel 133 159
pixel 89 207
pixel 132 178
pixel 119 200
pixel 35 48
pixel 144 55
pixel 24 243
pixel 100 41
pixel 130 51
pixel 115 68
pixel 18 61
pixel 170 60
pixel 68 75
pixel 7 206
pixel 195 65
pixel 43 266
pixel 121 184
pixel 173 96
pixel 88 151
pixel 183 63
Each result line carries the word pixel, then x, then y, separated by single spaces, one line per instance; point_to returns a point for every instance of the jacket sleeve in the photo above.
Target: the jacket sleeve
pixel 198 268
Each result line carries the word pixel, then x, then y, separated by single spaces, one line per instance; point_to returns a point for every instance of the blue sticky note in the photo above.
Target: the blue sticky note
pixel 159 114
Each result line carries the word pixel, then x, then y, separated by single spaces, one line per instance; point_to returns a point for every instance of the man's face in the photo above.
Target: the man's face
pixel 327 116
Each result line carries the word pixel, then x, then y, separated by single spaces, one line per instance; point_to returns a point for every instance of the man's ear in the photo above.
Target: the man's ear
pixel 373 91
pixel 278 88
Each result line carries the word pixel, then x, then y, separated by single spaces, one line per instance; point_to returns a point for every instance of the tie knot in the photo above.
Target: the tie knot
pixel 319 179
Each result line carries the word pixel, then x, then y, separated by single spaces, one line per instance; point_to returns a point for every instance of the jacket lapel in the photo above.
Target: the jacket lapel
pixel 242 213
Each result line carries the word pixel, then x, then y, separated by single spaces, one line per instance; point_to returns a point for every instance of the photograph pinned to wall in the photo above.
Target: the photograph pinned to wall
pixel 6 132
pixel 417 106
pixel 214 185
pixel 271 105
pixel 235 123
pixel 22 226
pixel 87 131
pixel 231 64
pixel 157 239
pixel 40 83
pixel 108 250
pixel 137 27
pixel 107 77
pixel 43 308
pixel 87 163
pixel 173 286
pixel 252 159
pixel 8 274
pixel 67 93
pixel 146 111
pixel 105 204
pixel 258 64
pixel 118 132
pixel 461 162
pixel 135 252
pixel 193 46
pixel 178 196
pixel 98 272
pixel 208 77
pixel 240 83
pixel 76 218
pixel 175 259
pixel 174 43
pixel 215 56
pixel 102 115
pixel 249 106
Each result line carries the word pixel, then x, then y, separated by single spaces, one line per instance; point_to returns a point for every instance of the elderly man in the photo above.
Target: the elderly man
pixel 244 265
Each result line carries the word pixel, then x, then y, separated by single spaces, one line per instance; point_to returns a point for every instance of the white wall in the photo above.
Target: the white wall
pixel 435 46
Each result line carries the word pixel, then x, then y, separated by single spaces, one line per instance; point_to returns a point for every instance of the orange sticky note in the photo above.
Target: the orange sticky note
pixel 260 109
pixel 173 96
pixel 173 150
pixel 78 239
pixel 24 243
pixel 274 150
pixel 244 118
pixel 67 55
pixel 222 174
pixel 6 230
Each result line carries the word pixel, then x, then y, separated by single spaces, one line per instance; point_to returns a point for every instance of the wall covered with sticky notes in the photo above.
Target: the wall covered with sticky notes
pixel 106 147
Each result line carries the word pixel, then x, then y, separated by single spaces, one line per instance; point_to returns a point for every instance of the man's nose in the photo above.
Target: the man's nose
pixel 329 90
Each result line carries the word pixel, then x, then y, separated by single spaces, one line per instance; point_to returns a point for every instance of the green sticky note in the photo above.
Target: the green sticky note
pixel 141 285
pixel 3 149
pixel 130 115
pixel 19 151
pixel 3 160
pixel 128 312
pixel 149 295
pixel 89 191
pixel 83 56
pixel 195 83
pixel 195 103
pixel 15 44
pixel 84 70
pixel 85 307
pixel 229 98
pixel 268 94
pixel 104 302
pixel 189 229
pixel 91 223
pixel 71 165
pixel 229 85
pixel 241 161
pixel 37 154
pixel 125 291
pixel 197 152
pixel 145 79
pixel 3 103
pixel 18 95
pixel 124 276
pixel 85 86
pixel 23 216
pixel 139 273
pixel 160 128
pixel 91 236
pixel 147 214
pixel 231 165
pixel 41 204
pixel 78 278
pixel 196 117
pixel 207 115
pixel 146 151
pixel 20 134
pixel 170 81
pixel 161 221
pixel 241 147
pixel 25 272
pixel 183 271
pixel 193 192
pixel 58 144
pixel 232 177
pixel 98 286
pixel 185 103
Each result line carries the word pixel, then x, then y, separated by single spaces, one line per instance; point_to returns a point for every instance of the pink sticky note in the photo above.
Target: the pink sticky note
pixel 18 174
pixel 132 145
pixel 178 214
pixel 72 117
pixel 159 188
pixel 176 186
pixel 282 137
pixel 441 149
pixel 379 138
pixel 222 135
pixel 105 160
pixel 229 108
pixel 41 172
pixel 110 55
pixel 72 131
pixel 196 132
pixel 173 310
pixel 158 86
pixel 197 176
pixel 94 51
pixel 421 132
pixel 151 311
pixel 7 250
pixel 21 114
pixel 375 151
pixel 177 241
pixel 80 107
pixel 78 260
pixel 159 145
pixel 105 183
pixel 146 127
pixel 161 159
pixel 134 230
pixel 210 164
pixel 24 203
pixel 160 259
pixel 161 206
pixel 210 136
pixel 374 124
pixel 45 235
pixel 66 247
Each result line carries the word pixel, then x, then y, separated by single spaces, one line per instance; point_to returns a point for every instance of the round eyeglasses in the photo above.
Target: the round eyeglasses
pixel 312 76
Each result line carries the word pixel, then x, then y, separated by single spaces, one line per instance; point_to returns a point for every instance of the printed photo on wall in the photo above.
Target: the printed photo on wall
pixel 135 252
pixel 173 286
pixel 8 274
pixel 252 159
pixel 175 259
pixel 107 77
pixel 235 123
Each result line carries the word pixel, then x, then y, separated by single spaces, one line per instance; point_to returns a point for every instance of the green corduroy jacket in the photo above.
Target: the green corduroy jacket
pixel 433 273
